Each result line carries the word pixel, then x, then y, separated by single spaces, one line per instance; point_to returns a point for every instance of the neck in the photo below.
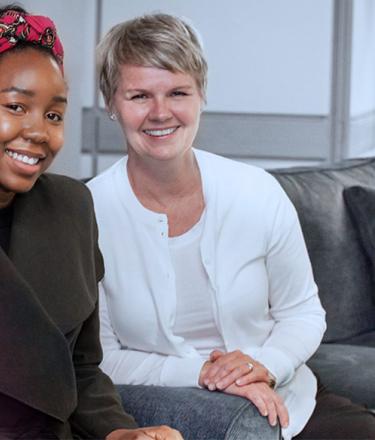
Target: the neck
pixel 163 180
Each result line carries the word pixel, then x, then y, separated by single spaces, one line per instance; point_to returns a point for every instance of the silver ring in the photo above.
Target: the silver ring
pixel 251 366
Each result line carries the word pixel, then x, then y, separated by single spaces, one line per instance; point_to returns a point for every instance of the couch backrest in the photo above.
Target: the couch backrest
pixel 341 267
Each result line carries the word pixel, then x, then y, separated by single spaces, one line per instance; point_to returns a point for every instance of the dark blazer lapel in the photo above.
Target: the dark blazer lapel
pixel 47 246
pixel 36 361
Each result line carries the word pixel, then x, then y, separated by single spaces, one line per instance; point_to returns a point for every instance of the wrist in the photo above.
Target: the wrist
pixel 271 380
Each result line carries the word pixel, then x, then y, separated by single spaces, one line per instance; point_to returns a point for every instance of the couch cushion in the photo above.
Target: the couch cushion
pixel 361 203
pixel 341 268
pixel 344 369
pixel 365 339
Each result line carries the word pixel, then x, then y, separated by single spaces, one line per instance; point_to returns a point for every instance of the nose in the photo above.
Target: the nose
pixel 36 129
pixel 160 110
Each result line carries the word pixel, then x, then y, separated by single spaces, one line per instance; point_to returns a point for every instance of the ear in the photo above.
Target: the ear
pixel 111 113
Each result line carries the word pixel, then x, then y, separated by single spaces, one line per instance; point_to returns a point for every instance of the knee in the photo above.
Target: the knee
pixel 248 424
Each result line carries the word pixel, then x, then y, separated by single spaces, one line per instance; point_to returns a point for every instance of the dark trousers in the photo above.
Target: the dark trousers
pixel 27 434
pixel 337 418
pixel 20 421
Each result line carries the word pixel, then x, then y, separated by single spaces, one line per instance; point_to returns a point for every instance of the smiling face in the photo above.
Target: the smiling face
pixel 158 110
pixel 32 107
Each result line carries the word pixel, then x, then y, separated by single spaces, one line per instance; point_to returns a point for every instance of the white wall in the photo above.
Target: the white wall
pixel 363 58
pixel 68 16
pixel 266 56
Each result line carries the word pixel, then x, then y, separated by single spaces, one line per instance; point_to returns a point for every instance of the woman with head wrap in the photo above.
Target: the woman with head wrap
pixel 50 383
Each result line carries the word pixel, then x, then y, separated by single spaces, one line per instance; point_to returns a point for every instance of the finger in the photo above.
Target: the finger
pixel 212 372
pixel 282 413
pixel 162 433
pixel 241 373
pixel 258 374
pixel 171 435
pixel 235 375
pixel 223 366
pixel 271 410
pixel 216 354
pixel 260 404
pixel 217 373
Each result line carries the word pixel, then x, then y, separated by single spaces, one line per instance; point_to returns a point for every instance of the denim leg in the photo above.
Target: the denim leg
pixel 198 414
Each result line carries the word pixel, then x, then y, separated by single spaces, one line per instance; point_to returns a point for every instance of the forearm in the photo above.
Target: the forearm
pixel 126 366
pixel 299 319
pixel 293 340
pixel 99 410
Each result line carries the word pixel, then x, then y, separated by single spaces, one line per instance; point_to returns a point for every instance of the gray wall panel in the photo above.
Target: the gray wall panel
pixel 362 134
pixel 230 134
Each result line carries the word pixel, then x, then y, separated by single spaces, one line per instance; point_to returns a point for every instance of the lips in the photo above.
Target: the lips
pixel 160 131
pixel 24 157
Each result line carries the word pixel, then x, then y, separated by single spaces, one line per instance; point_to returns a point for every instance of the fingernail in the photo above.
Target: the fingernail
pixel 265 413
pixel 239 382
pixel 211 387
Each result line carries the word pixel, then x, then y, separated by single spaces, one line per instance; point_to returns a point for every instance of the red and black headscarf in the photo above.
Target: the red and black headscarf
pixel 16 27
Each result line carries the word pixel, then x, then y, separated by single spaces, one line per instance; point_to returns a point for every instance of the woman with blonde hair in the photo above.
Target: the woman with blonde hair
pixel 209 309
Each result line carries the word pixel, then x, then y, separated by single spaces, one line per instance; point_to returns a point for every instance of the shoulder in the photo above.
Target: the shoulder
pixel 105 180
pixel 63 193
pixel 235 175
pixel 62 185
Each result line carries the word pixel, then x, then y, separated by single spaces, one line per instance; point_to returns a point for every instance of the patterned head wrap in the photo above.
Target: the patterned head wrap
pixel 18 27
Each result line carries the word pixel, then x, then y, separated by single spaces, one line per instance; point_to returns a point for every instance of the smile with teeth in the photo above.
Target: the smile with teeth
pixel 22 157
pixel 160 132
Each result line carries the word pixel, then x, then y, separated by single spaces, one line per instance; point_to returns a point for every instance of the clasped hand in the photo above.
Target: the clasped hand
pixel 239 374
pixel 151 432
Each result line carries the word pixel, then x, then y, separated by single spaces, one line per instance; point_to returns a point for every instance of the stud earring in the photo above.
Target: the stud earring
pixel 112 117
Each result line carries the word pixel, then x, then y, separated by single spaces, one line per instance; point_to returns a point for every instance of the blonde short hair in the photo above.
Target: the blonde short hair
pixel 156 40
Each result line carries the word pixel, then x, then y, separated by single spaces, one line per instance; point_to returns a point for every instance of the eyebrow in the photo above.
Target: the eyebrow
pixel 31 94
pixel 18 90
pixel 140 90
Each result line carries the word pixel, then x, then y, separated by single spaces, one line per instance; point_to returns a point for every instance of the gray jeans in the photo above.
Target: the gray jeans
pixel 198 414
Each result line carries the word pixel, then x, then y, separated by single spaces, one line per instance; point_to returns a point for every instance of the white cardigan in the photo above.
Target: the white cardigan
pixel 265 302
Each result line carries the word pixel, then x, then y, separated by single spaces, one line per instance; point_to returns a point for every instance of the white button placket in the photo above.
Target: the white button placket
pixel 166 285
pixel 162 227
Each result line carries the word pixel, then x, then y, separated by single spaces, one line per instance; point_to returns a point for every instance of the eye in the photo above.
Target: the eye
pixel 17 108
pixel 140 96
pixel 179 93
pixel 54 117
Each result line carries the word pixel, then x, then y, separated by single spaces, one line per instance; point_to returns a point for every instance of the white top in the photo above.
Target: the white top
pixel 194 319
pixel 252 248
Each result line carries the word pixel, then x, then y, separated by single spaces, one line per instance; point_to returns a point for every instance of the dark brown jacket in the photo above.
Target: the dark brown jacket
pixel 49 326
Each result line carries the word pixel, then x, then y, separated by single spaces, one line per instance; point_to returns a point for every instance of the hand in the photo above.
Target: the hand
pixel 152 432
pixel 203 372
pixel 225 369
pixel 268 402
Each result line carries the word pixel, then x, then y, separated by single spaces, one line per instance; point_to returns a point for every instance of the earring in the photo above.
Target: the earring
pixel 112 117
